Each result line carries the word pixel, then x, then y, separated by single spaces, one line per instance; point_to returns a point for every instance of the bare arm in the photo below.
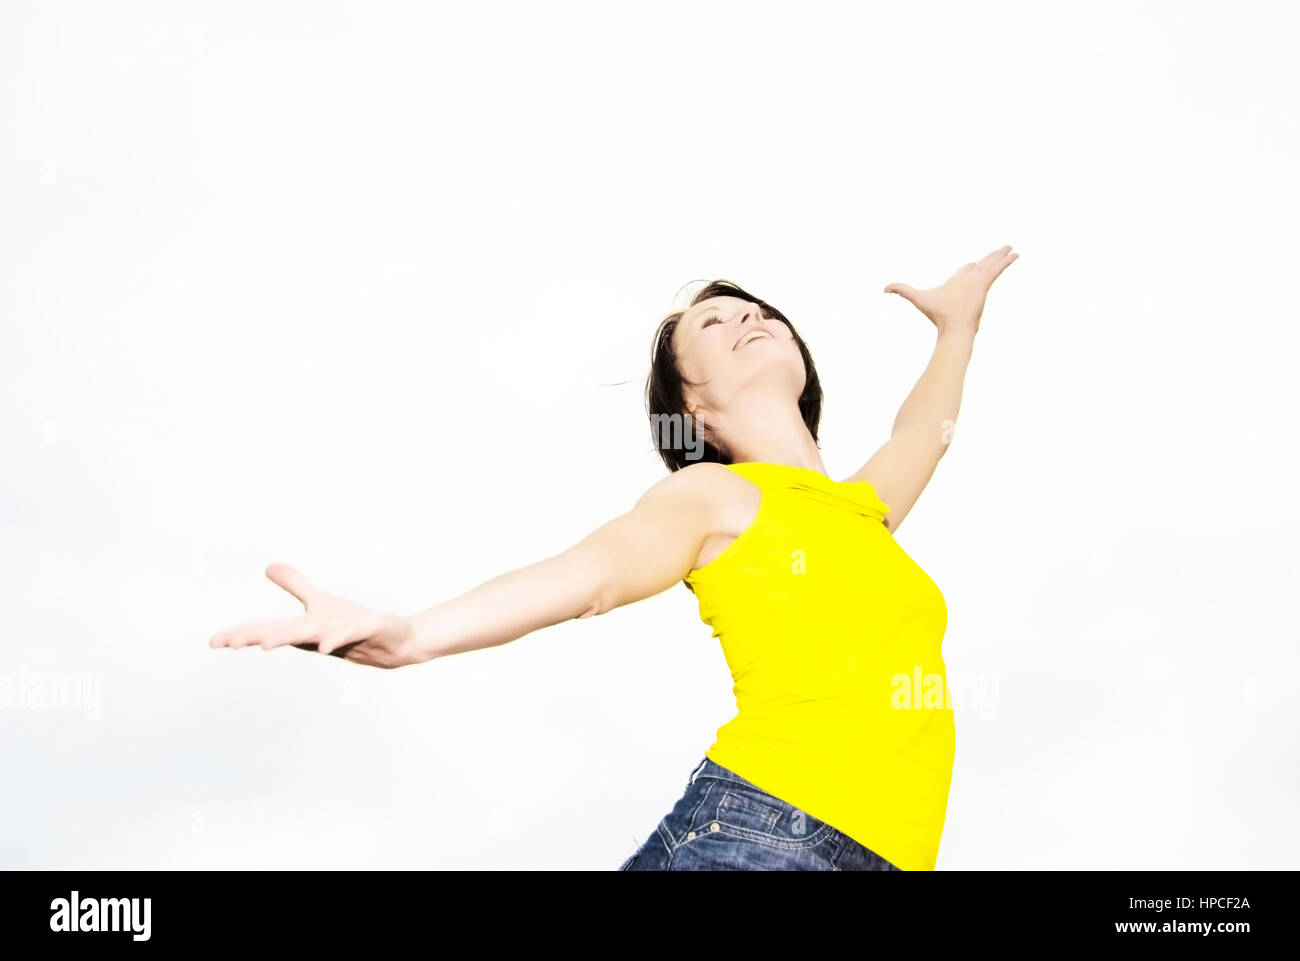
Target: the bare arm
pixel 901 469
pixel 634 556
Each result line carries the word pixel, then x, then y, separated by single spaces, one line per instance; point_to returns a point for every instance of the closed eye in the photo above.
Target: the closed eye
pixel 715 319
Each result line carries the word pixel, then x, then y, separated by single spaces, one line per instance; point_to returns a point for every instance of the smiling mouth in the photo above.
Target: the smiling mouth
pixel 751 337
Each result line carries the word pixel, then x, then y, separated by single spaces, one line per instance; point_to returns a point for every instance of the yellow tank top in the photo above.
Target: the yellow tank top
pixel 833 636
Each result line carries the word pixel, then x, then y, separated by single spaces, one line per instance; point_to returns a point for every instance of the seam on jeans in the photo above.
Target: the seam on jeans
pixel 840 839
pixel 723 773
pixel 698 768
pixel 865 853
pixel 665 832
pixel 807 842
pixel 749 837
pixel 665 835
pixel 726 774
pixel 787 810
pixel 769 818
pixel 691 819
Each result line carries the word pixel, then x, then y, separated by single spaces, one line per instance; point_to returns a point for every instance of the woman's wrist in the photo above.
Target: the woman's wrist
pixel 963 331
pixel 420 644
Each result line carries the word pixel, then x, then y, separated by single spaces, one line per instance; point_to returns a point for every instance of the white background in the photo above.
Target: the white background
pixel 369 289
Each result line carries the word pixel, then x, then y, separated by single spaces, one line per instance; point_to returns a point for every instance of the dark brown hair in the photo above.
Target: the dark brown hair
pixel 664 395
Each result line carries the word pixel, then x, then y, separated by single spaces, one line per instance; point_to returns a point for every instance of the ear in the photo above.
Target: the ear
pixel 698 417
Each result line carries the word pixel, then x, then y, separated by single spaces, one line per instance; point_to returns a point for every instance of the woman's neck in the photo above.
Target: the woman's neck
pixel 768 428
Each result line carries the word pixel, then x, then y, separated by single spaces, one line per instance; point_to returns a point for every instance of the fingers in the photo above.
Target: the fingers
pixel 351 651
pixel 994 263
pixel 333 649
pixel 266 633
pixel 342 649
pixel 295 630
pixel 331 642
pixel 292 580
pixel 236 636
pixel 302 632
pixel 903 290
pixel 997 255
pixel 1003 265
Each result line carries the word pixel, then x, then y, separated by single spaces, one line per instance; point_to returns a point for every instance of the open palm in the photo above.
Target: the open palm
pixel 329 625
pixel 958 303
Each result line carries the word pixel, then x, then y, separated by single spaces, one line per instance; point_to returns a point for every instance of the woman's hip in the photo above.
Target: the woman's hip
pixel 722 822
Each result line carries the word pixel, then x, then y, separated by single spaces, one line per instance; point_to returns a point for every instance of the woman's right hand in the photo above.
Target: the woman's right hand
pixel 329 625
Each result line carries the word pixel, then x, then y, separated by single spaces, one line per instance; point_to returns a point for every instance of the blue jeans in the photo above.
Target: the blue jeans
pixel 724 823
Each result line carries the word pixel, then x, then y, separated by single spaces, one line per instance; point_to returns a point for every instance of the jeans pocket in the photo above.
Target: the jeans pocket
pixel 759 816
pixel 740 828
pixel 744 809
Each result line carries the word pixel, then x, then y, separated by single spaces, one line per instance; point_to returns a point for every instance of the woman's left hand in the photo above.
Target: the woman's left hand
pixel 959 302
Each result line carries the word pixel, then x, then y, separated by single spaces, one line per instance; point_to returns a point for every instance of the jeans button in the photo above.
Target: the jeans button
pixel 715 826
pixel 690 836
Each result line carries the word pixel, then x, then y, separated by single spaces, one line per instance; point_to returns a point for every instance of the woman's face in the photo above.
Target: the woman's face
pixel 727 346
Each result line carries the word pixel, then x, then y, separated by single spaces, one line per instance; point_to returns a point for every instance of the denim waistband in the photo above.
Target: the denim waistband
pixel 710 768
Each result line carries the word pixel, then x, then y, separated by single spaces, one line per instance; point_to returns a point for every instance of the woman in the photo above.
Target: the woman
pixel 840 754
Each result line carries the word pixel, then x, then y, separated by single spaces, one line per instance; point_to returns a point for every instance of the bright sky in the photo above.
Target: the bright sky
pixel 369 288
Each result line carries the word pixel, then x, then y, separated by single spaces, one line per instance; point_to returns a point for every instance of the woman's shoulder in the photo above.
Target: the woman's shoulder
pixel 707 485
pixel 721 495
pixel 707 478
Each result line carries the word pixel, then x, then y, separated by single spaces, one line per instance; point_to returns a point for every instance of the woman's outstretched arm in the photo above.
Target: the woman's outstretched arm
pixel 900 470
pixel 632 557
